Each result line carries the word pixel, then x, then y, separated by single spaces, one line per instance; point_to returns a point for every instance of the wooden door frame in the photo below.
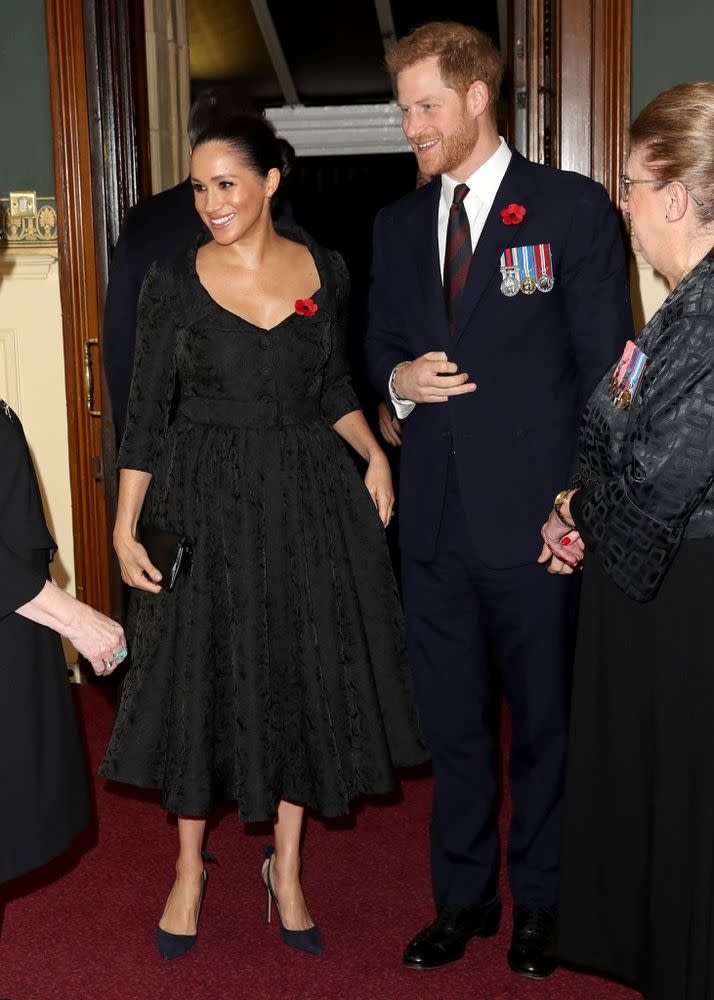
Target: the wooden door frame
pixel 572 73
pixel 81 315
pixel 98 115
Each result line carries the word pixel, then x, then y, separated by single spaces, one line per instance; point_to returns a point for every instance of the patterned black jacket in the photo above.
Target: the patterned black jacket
pixel 651 466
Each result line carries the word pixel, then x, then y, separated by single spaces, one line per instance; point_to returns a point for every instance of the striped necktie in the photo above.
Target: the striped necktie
pixel 458 253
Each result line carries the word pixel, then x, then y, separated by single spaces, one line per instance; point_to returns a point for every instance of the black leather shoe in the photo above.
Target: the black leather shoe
pixel 532 951
pixel 445 940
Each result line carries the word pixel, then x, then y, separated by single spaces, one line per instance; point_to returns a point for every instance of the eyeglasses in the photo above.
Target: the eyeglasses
pixel 627 182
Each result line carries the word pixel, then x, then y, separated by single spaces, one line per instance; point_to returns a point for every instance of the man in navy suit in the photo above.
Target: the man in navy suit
pixel 498 300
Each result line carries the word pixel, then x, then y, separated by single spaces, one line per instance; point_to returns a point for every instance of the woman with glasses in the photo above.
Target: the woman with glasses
pixel 637 890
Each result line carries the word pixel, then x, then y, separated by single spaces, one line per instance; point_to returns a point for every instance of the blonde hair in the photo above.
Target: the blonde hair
pixel 675 134
pixel 464 55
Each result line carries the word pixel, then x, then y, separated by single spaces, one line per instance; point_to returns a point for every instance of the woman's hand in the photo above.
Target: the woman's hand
pixel 390 427
pixel 563 544
pixel 378 481
pixel 97 638
pixel 556 565
pixel 136 568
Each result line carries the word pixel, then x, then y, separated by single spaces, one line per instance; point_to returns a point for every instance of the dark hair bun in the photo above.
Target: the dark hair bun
pixel 287 153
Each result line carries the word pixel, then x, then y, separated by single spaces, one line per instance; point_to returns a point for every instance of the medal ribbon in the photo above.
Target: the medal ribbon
pixel 544 260
pixel 526 261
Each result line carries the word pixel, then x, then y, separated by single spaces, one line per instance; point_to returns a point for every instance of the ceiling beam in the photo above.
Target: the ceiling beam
pixel 386 27
pixel 386 23
pixel 275 51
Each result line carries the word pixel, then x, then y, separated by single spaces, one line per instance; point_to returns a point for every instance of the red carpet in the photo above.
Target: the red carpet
pixel 89 933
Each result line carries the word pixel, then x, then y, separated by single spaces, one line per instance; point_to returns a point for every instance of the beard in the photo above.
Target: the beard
pixel 452 151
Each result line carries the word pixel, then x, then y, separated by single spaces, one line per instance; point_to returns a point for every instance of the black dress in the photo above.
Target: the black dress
pixel 277 669
pixel 637 882
pixel 42 776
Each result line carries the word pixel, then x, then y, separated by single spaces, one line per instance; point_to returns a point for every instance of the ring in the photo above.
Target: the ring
pixel 121 654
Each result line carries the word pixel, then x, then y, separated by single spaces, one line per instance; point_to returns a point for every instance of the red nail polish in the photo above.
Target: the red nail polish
pixel 566 540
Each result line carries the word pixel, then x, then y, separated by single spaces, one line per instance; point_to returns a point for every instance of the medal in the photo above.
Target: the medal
pixel 627 375
pixel 544 267
pixel 526 264
pixel 510 279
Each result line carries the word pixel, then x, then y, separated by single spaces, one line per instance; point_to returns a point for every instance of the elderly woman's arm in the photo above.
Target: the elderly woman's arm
pixel 96 637
pixel 635 521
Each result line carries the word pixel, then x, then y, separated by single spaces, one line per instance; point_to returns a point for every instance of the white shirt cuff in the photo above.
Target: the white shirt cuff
pixel 402 407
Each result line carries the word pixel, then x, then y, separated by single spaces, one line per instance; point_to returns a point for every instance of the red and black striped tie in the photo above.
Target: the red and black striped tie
pixel 458 253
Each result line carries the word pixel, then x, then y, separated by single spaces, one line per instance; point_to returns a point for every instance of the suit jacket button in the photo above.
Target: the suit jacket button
pixel 265 342
pixel 266 371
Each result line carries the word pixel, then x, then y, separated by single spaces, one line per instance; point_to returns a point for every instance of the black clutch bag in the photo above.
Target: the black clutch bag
pixel 169 552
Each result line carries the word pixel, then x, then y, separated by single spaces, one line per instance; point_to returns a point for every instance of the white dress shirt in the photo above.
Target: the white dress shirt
pixel 483 185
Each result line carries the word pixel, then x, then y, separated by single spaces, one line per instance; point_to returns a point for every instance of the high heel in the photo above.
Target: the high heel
pixel 308 940
pixel 175 945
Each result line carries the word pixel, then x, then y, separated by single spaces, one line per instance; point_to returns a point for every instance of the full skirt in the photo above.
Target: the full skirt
pixel 277 669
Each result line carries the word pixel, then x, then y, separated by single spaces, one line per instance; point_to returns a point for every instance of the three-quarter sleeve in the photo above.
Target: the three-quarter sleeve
pixel 152 384
pixel 636 520
pixel 338 396
pixel 25 542
pixel 20 581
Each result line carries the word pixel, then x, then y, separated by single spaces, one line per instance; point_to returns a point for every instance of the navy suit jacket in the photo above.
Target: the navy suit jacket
pixel 535 358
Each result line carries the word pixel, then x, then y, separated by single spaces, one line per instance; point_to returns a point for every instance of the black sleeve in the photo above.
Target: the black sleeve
pixel 338 396
pixel 635 521
pixel 23 530
pixel 384 343
pixel 152 384
pixel 19 581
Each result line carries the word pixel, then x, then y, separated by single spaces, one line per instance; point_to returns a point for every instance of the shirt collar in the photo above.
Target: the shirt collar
pixel 484 182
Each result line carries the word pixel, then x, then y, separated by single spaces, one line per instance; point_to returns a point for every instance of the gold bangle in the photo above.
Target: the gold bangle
pixel 558 503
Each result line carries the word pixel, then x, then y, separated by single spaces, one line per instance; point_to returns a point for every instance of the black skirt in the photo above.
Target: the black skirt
pixel 637 889
pixel 43 779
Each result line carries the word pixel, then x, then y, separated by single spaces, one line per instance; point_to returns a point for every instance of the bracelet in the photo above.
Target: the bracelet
pixel 558 503
pixel 392 379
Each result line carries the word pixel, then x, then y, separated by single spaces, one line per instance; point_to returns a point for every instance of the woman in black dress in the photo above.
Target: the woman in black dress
pixel 274 675
pixel 42 774
pixel 637 895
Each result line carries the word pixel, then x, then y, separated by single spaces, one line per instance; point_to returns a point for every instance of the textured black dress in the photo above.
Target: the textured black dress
pixel 43 780
pixel 637 876
pixel 277 669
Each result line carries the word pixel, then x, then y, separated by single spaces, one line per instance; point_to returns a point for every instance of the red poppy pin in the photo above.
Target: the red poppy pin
pixel 305 307
pixel 513 214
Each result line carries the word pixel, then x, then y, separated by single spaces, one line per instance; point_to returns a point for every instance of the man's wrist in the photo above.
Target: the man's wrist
pixel 394 392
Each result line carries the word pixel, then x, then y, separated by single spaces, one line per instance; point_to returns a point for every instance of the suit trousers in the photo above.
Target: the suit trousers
pixel 473 632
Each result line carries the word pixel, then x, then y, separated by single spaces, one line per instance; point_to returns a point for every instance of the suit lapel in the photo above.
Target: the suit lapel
pixel 424 232
pixel 496 236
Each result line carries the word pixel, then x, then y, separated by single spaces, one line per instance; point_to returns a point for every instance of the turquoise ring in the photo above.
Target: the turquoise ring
pixel 121 655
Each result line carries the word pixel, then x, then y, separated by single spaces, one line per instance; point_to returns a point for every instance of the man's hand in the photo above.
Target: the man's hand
pixel 390 427
pixel 432 378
